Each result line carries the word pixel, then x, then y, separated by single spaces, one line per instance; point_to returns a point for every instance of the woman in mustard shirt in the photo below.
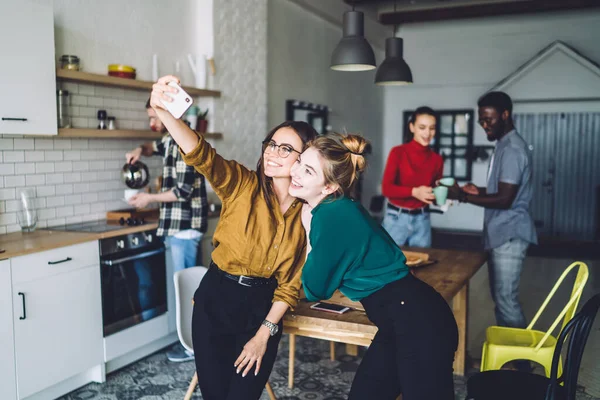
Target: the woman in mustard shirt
pixel 413 350
pixel 256 265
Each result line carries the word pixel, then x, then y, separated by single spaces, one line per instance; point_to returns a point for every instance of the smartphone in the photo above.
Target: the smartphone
pixel 181 101
pixel 334 308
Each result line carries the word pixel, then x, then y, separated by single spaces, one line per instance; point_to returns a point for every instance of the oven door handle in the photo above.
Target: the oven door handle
pixel 132 258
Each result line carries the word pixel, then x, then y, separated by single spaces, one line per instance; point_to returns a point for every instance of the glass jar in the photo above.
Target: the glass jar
pixel 69 62
pixel 62 108
pixel 111 124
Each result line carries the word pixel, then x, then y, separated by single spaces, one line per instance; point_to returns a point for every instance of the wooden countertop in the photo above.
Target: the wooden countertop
pixel 20 243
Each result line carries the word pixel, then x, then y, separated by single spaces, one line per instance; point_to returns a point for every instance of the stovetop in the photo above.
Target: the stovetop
pixel 98 226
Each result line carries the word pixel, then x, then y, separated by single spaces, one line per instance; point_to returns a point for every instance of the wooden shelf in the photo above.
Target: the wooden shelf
pixel 105 80
pixel 119 134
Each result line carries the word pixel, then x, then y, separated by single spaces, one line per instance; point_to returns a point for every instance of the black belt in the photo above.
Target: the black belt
pixel 243 279
pixel 415 211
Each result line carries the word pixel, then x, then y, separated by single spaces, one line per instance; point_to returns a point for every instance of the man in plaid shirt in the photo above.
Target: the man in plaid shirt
pixel 183 205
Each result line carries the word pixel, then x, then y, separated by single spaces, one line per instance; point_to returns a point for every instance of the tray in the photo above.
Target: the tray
pixel 416 259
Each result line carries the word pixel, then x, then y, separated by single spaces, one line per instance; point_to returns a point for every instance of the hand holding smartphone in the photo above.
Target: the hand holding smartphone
pixel 328 307
pixel 181 101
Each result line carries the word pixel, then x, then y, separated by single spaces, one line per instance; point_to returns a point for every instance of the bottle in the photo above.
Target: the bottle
pixel 62 108
pixel 101 119
pixel 111 124
pixel 191 116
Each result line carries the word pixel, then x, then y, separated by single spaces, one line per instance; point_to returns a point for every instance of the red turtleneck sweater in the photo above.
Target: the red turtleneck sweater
pixel 410 165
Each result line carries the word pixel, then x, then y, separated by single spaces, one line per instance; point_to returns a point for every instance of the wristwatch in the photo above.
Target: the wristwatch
pixel 273 328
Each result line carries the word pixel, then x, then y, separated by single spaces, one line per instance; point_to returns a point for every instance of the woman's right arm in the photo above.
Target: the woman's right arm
pixel 225 176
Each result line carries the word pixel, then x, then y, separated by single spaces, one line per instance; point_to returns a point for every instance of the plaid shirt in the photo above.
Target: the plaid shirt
pixel 190 210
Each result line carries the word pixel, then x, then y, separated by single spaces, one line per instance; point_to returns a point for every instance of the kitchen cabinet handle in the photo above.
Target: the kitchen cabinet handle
pixel 60 261
pixel 14 119
pixel 24 310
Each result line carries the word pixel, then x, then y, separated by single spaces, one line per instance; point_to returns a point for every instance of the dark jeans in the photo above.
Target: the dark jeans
pixel 226 316
pixel 413 350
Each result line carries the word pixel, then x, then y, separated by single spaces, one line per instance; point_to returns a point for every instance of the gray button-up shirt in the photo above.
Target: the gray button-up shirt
pixel 511 163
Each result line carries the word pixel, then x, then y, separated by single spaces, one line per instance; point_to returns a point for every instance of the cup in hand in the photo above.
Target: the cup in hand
pixel 440 193
pixel 447 181
pixel 129 193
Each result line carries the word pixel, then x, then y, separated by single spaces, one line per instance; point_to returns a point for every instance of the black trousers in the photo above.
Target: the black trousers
pixel 413 350
pixel 226 316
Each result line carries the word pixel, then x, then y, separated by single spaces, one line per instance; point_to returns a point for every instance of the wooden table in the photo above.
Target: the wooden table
pixel 449 276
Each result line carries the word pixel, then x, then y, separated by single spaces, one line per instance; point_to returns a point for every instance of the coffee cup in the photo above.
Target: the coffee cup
pixel 440 193
pixel 129 193
pixel 447 181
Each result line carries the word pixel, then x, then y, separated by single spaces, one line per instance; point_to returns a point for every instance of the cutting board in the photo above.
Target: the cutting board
pixel 148 214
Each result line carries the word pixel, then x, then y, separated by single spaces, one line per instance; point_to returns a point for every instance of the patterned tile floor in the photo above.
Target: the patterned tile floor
pixel 316 377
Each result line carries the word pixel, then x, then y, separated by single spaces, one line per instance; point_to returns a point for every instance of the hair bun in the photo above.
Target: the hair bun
pixel 356 145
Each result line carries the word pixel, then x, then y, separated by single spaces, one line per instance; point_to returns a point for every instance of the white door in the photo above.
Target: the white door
pixel 58 328
pixel 8 383
pixel 28 69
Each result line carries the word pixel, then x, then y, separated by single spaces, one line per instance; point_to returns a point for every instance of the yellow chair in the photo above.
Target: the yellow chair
pixel 507 344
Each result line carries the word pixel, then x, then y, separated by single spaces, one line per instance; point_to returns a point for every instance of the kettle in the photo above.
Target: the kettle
pixel 135 175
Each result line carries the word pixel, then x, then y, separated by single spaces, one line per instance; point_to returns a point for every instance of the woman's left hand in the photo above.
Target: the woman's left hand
pixel 253 352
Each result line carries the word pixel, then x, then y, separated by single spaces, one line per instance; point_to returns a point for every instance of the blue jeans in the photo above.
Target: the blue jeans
pixel 505 264
pixel 406 229
pixel 184 252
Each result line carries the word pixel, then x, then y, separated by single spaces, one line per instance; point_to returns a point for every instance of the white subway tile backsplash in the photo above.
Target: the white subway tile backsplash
pixel 87 197
pixel 14 156
pixel 73 199
pixel 74 180
pixel 23 144
pixel 78 100
pixel 72 155
pixel 74 219
pixel 65 211
pixel 35 180
pixel 79 122
pixel 54 155
pixel 11 206
pixel 47 213
pixel 73 177
pixel 55 201
pixel 87 90
pixel 81 166
pixel 7 169
pixel 56 222
pixel 81 209
pixel 7 194
pixel 64 166
pixel 45 191
pixel 8 218
pixel 72 87
pixel 24 168
pixel 53 179
pixel 6 144
pixel 66 188
pixel 14 181
pixel 33 156
pixel 62 144
pixel 44 144
pixel 44 167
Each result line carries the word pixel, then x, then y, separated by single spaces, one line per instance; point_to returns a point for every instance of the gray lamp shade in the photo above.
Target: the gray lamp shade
pixel 353 52
pixel 393 70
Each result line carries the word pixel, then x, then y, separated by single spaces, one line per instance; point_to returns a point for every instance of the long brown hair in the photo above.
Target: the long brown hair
pixel 306 133
pixel 343 159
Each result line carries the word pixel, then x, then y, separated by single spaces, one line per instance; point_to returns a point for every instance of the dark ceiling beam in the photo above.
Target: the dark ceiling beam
pixel 444 12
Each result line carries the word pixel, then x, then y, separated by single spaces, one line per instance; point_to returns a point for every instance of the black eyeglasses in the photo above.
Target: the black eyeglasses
pixel 284 150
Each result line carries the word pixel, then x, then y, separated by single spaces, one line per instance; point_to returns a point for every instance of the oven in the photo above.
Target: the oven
pixel 133 280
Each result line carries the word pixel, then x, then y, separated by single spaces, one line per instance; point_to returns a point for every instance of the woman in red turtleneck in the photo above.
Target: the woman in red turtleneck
pixel 411 171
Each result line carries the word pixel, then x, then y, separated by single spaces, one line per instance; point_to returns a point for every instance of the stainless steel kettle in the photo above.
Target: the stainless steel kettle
pixel 135 175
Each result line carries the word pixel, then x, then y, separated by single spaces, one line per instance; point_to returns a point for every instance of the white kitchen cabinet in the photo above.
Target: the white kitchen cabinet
pixel 27 70
pixel 8 381
pixel 57 316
